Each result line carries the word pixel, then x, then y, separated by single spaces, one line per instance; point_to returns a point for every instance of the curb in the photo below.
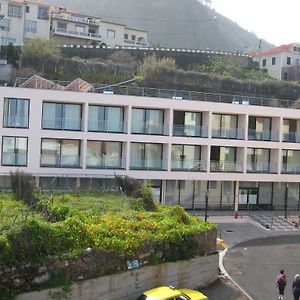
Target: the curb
pixel 222 268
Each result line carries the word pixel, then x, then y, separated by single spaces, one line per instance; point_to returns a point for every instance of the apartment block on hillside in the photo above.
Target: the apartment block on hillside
pixel 74 28
pixel 21 20
pixel 277 61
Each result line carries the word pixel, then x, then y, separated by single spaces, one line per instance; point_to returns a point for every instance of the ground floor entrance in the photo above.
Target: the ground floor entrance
pixel 248 197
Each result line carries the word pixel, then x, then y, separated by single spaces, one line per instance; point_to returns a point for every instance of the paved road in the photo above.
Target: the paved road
pixel 256 255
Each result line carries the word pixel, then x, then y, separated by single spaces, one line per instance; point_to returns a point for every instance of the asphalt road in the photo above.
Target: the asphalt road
pixel 256 255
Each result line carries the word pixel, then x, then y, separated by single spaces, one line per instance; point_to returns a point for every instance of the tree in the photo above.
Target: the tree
pixel 37 52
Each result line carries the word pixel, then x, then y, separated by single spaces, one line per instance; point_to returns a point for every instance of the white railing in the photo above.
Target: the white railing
pixel 78 34
pixel 86 20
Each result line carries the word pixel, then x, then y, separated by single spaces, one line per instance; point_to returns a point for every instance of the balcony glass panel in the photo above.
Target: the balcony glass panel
pixel 291 131
pixel 188 124
pixel 290 161
pixel 16 113
pixel 14 151
pixel 225 166
pixel 60 153
pixel 225 126
pixel 106 119
pixel 62 116
pixel 104 155
pixel 258 160
pixel 147 121
pixel 146 156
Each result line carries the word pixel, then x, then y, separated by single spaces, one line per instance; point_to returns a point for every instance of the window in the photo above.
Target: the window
pixel 126 37
pixel 111 34
pixel 14 151
pixel 60 153
pixel 31 26
pixel 62 26
pixel 16 113
pixel 43 13
pixel 4 41
pixel 296 49
pixel 297 61
pixel 288 60
pixel 5 24
pixel 258 160
pixel 147 121
pixel 27 8
pixel 79 28
pixel 133 37
pixel 260 128
pixel 106 119
pixel 285 76
pixel 61 116
pixel 187 124
pixel 146 156
pixel 225 126
pixel 104 155
pixel 273 60
pixel 264 62
pixel 14 11
pixel 186 157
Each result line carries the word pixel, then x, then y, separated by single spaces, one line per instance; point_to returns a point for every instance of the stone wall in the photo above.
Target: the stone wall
pixel 194 273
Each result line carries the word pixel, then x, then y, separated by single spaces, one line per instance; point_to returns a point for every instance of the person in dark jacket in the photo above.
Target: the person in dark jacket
pixel 296 287
pixel 281 283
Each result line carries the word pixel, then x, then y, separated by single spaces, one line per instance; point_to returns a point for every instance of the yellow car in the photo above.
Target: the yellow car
pixel 170 293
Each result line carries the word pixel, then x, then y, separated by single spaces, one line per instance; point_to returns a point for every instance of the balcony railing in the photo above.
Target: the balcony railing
pixel 16 121
pixel 99 162
pixel 225 166
pixel 62 123
pixel 86 20
pixel 293 137
pixel 78 34
pixel 190 130
pixel 266 135
pixel 135 43
pixel 263 167
pixel 184 95
pixel 188 165
pixel 105 126
pixel 149 164
pixel 60 161
pixel 13 159
pixel 228 133
pixel 147 128
pixel 290 168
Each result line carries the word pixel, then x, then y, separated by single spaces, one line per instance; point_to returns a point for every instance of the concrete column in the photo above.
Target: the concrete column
pixel 169 119
pixel 236 199
pixel 163 191
pixel 37 181
pixel 78 183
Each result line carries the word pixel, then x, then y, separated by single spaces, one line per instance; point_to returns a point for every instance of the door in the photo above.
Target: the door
pixel 247 197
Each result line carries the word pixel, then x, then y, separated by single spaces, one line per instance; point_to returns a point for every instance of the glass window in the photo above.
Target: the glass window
pixel 273 60
pixel 14 11
pixel 185 157
pixel 104 155
pixel 258 159
pixel 264 62
pixel 16 113
pixel 62 25
pixel 43 13
pixel 125 36
pixel 14 151
pixel 79 28
pixel 288 60
pixel 111 34
pixel 5 24
pixel 61 116
pixel 60 153
pixel 31 26
pixel 106 119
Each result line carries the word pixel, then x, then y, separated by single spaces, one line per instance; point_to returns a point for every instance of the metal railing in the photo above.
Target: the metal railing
pixel 226 166
pixel 184 95
pixel 188 165
pixel 190 130
pixel 75 33
pixel 149 164
pixel 87 20
pixel 266 135
pixel 148 128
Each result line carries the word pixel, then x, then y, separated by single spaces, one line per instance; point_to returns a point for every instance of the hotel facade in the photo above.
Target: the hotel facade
pixel 231 151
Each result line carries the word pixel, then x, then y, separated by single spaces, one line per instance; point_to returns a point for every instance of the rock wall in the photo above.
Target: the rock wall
pixel 194 273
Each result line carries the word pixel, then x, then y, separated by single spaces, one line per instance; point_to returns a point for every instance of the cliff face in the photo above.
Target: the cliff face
pixel 171 23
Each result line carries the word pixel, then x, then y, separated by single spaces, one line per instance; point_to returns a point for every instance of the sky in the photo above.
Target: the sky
pixel 273 20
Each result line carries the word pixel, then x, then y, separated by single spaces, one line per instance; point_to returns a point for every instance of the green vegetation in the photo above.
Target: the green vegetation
pixel 60 224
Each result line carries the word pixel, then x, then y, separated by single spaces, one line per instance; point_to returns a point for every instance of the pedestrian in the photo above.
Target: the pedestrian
pixel 296 287
pixel 281 283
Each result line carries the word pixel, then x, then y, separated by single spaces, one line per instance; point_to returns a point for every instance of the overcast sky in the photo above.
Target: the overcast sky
pixel 274 20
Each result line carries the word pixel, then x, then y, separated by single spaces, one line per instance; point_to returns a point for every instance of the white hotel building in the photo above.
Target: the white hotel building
pixel 242 150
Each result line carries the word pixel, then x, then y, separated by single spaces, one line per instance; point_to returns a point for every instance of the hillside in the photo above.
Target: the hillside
pixel 172 23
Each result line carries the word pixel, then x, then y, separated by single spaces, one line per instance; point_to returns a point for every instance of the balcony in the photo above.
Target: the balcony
pixel 292 137
pixel 62 124
pixel 99 162
pixel 149 164
pixel 150 129
pixel 290 168
pixel 135 43
pixel 226 166
pixel 13 159
pixel 263 167
pixel 77 34
pixel 107 126
pixel 190 131
pixel 60 161
pixel 266 135
pixel 188 165
pixel 85 20
pixel 230 133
